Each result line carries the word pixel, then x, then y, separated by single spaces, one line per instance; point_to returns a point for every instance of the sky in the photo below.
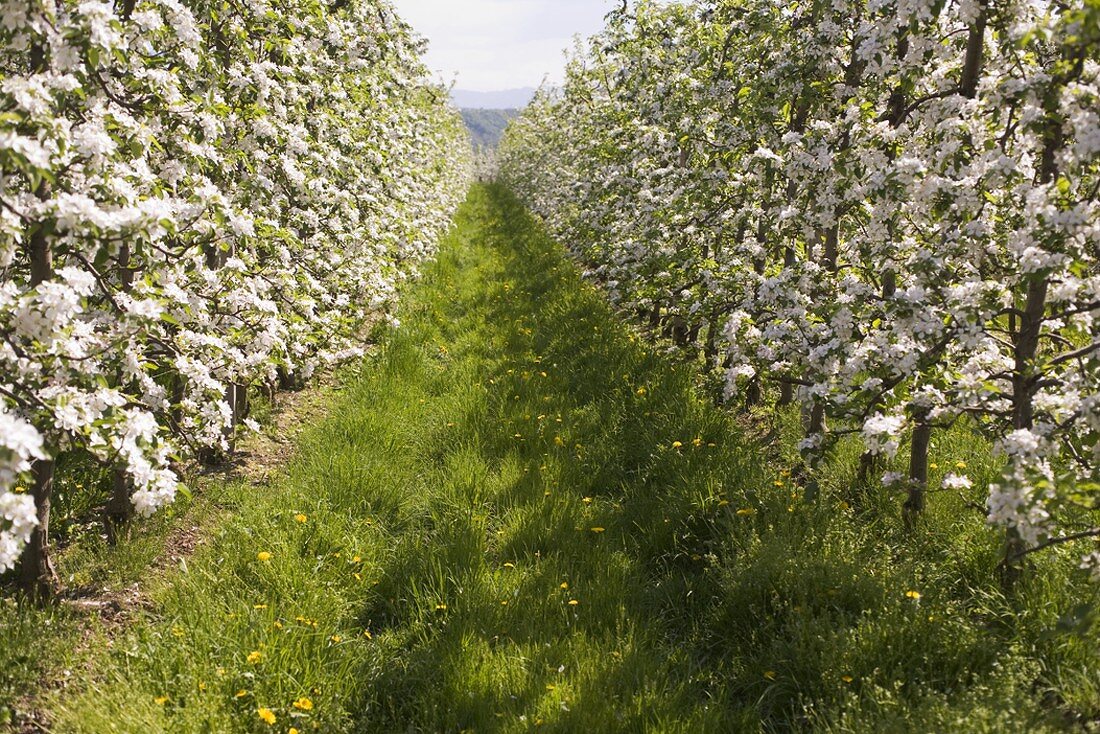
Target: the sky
pixel 492 45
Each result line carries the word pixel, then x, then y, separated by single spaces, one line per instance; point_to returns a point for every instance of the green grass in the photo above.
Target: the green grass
pixel 514 449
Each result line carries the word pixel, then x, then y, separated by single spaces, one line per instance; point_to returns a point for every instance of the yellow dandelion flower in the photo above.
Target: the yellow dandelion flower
pixel 564 585
pixel 597 530
pixel 266 715
pixel 254 657
pixel 368 635
pixel 769 674
pixel 441 607
pixel 293 731
pixel 640 391
pixel 303 704
pixel 677 444
pixel 300 517
pixel 573 602
pixel 915 595
pixel 259 606
pixel 960 464
pixel 696 442
pixel 336 639
pixel 586 500
pixel 723 503
pixel 263 556
pixel 240 694
pixel 847 678
pixel 509 565
pixel 746 511
pixel 161 700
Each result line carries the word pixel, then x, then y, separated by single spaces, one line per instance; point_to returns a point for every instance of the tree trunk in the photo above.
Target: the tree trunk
pixel 120 510
pixel 37 577
pixel 918 470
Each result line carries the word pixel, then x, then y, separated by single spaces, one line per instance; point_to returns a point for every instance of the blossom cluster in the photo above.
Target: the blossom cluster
pixel 196 197
pixel 886 210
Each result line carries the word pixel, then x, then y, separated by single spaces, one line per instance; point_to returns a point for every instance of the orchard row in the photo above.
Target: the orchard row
pixel 885 210
pixel 197 197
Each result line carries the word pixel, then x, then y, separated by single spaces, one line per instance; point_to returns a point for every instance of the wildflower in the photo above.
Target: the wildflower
pixel 263 556
pixel 303 704
pixel 597 530
pixel 573 602
pixel 769 674
pixel 368 635
pixel 847 678
pixel 441 607
pixel 746 511
pixel 240 694
pixel 564 585
pixel 161 700
pixel 509 565
pixel 587 500
pixel 300 517
pixel 254 657
pixel 914 595
pixel 697 442
pixel 336 639
pixel 677 444
pixel 267 715
pixel 960 464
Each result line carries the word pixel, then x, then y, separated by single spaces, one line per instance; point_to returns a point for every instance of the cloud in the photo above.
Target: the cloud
pixel 501 44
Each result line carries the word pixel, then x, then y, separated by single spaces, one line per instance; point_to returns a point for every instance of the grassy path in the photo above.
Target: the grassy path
pixel 517 519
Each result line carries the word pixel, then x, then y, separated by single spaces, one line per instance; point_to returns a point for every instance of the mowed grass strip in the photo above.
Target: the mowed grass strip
pixel 520 517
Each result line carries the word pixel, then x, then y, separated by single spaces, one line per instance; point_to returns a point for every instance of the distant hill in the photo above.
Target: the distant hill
pixel 508 99
pixel 486 126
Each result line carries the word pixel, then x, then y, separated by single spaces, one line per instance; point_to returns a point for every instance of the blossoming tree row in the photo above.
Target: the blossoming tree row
pixel 196 196
pixel 884 209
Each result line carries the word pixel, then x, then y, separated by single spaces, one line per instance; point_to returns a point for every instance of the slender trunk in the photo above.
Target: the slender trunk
pixel 120 510
pixel 918 470
pixel 1029 333
pixel 975 45
pixel 37 577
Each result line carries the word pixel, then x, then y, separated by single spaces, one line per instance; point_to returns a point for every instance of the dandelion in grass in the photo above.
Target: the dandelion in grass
pixel 263 556
pixel 914 595
pixel 301 518
pixel 303 704
pixel 573 602
pixel 266 715
pixel 254 657
pixel 746 511
pixel 161 700
pixel 598 530
pixel 677 444
pixel 847 678
pixel 769 674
